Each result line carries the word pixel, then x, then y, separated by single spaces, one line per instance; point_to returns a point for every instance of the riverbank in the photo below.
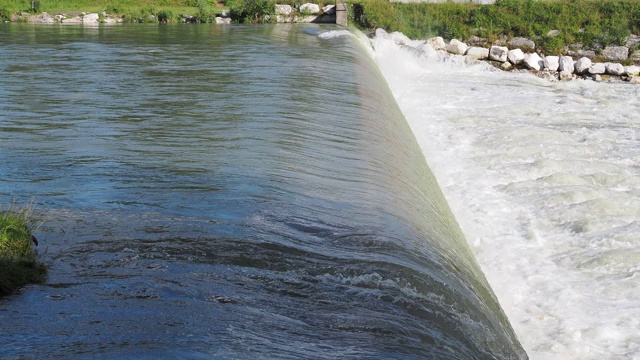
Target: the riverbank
pixel 18 258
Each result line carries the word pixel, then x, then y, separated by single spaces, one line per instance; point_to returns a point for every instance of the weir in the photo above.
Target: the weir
pixel 231 213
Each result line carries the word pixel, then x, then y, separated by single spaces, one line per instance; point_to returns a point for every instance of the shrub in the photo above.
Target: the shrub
pixel 164 16
pixel 252 11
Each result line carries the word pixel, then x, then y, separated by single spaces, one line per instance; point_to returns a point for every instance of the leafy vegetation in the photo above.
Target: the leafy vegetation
pixel 18 262
pixel 593 23
pixel 252 11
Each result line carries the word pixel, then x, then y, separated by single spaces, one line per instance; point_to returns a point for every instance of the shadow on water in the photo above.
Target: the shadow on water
pixel 229 192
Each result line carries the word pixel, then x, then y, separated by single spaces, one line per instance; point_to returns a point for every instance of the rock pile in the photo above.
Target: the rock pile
pixel 562 67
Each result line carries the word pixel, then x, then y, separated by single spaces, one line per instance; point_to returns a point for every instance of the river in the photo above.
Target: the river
pixel 228 192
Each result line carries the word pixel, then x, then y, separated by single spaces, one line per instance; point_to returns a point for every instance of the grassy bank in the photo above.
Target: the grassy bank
pixel 152 11
pixel 18 262
pixel 593 23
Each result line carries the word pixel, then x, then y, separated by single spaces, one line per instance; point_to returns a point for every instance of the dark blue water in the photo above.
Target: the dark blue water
pixel 228 192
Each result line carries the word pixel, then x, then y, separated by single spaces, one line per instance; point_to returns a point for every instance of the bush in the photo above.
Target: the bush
pixel 5 15
pixel 252 11
pixel 164 16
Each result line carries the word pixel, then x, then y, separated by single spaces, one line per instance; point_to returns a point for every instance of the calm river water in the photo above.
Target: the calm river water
pixel 228 192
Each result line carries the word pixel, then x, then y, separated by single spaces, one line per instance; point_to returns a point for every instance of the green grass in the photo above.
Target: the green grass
pixel 18 261
pixel 589 22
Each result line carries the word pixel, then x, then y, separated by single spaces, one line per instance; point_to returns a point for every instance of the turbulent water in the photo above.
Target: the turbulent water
pixel 228 192
pixel 544 179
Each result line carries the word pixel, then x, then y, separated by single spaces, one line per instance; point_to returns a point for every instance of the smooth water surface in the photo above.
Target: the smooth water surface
pixel 228 192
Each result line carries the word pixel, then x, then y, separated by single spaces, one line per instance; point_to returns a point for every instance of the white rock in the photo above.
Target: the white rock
pixel 310 8
pixel 381 33
pixel 597 77
pixel 400 38
pixel 477 53
pixel 566 64
pixel 597 69
pixel 551 63
pixel 506 66
pixel 221 20
pixel 457 47
pixel 109 20
pixel 632 70
pixel 283 9
pixel 90 18
pixel 615 69
pixel 566 75
pixel 437 43
pixel 498 53
pixel 635 80
pixel 582 65
pixel 73 20
pixel 533 61
pixel 615 52
pixel 329 9
pixel 515 56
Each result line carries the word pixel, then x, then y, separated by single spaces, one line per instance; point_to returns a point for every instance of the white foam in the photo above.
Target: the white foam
pixel 544 179
pixel 334 34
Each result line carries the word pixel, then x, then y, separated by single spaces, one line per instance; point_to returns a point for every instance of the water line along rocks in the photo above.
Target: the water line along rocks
pixel 551 67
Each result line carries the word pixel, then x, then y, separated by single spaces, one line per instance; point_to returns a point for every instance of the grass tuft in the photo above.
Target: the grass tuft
pixel 18 259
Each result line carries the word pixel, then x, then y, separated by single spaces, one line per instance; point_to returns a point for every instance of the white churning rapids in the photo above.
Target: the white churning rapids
pixel 544 179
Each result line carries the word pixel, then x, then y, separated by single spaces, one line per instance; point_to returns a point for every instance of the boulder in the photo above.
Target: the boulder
pixel 635 80
pixel 381 33
pixel 400 38
pixel 632 70
pixel 533 61
pixel 90 18
pixel 476 41
pixel 615 53
pixel 73 20
pixel 614 69
pixel 566 63
pixel 597 77
pixel 515 56
pixel 506 66
pixel 582 53
pixel 635 56
pixel 329 10
pixel 437 43
pixel 597 69
pixel 283 9
pixel 221 20
pixel 477 53
pixel 522 43
pixel 632 40
pixel 551 63
pixel 565 75
pixel 310 8
pixel 456 47
pixel 553 33
pixel 582 65
pixel 498 53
